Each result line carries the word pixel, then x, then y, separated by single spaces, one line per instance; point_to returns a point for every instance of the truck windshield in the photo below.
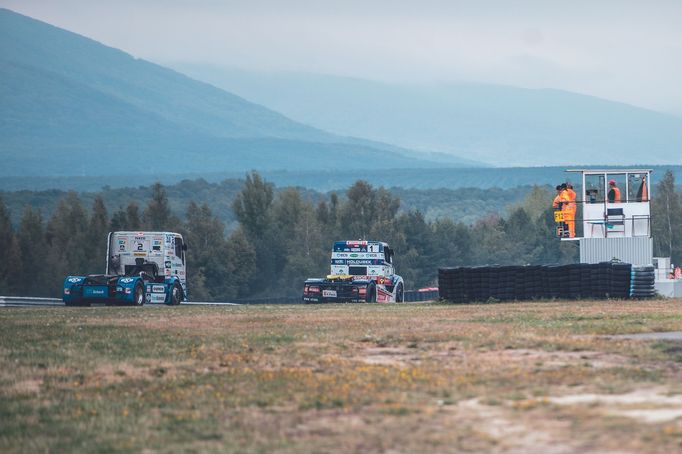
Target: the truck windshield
pixel 357 270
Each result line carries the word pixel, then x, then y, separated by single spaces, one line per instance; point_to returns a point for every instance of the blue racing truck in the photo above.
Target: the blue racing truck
pixel 361 271
pixel 142 267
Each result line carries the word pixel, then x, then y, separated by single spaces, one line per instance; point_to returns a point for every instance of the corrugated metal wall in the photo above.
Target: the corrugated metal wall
pixel 634 250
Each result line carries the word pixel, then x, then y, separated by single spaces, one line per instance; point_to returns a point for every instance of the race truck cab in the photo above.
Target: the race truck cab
pixel 142 267
pixel 361 271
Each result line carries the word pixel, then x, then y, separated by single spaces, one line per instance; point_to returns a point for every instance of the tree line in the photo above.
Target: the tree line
pixel 285 236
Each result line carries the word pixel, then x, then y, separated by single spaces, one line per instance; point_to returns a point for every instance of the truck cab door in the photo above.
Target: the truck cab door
pixel 178 267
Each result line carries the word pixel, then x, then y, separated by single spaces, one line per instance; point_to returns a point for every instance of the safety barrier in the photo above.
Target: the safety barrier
pixel 642 281
pixel 29 301
pixel 507 283
pixel 412 296
pixel 18 301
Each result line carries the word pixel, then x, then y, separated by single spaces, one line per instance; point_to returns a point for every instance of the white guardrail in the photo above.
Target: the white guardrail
pixel 29 301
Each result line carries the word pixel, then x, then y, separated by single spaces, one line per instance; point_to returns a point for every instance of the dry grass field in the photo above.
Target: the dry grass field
pixel 526 377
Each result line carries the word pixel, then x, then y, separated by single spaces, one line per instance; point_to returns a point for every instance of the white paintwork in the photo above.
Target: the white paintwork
pixel 157 247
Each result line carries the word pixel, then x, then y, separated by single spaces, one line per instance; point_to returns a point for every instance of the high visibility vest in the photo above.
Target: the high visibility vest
pixel 561 200
pixel 571 199
pixel 616 194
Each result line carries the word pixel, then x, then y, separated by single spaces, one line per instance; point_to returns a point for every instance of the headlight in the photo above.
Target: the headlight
pixel 67 291
pixel 128 290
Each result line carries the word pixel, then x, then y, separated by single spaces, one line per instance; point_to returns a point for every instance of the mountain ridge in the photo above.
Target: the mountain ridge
pixel 73 105
pixel 498 124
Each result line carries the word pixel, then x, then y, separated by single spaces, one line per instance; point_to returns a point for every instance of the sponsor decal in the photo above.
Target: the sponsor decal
pixel 355 262
pixel 126 280
pixel 158 289
pixel 354 255
pixel 158 298
pixel 140 254
pixel 362 262
pixel 97 292
pixel 74 280
pixel 140 238
pixel 167 264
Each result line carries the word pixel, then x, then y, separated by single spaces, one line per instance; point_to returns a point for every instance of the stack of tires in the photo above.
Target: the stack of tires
pixel 453 284
pixel 620 280
pixel 642 282
pixel 508 283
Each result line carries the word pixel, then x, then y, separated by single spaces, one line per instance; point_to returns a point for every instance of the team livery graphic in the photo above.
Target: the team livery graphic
pixel 361 271
pixel 142 267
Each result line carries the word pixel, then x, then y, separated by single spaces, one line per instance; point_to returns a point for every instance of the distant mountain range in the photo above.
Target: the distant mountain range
pixel 500 125
pixel 72 106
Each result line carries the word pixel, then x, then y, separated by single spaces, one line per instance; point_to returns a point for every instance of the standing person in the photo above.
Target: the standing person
pixel 560 201
pixel 570 209
pixel 614 192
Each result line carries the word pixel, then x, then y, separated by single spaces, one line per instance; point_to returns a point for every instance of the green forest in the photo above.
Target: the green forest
pixel 276 238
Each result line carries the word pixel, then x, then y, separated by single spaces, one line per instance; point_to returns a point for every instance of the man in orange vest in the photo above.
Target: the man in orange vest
pixel 570 209
pixel 614 192
pixel 559 203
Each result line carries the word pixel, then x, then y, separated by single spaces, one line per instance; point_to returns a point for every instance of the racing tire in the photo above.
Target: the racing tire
pixel 138 295
pixel 399 294
pixel 371 294
pixel 176 295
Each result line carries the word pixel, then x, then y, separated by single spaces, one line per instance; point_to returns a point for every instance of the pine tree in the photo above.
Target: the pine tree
pixel 243 271
pixel 68 241
pixel 133 219
pixel 157 215
pixel 33 249
pixel 253 204
pixel 8 259
pixel 666 214
pixel 97 234
pixel 207 251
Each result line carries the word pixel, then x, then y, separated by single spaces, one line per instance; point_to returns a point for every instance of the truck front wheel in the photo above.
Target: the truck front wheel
pixel 139 295
pixel 371 294
pixel 399 294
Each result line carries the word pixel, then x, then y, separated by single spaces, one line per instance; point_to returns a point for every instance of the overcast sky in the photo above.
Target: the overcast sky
pixel 624 50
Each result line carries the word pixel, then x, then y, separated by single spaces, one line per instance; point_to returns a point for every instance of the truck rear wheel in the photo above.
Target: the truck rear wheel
pixel 138 299
pixel 176 295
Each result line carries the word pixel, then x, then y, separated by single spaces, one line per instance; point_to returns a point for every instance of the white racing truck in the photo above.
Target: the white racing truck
pixel 142 267
pixel 361 271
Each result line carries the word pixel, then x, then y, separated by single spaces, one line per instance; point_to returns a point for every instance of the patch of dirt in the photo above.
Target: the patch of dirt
pixel 388 356
pixel 545 359
pixel 118 372
pixel 515 433
pixel 27 386
pixel 646 405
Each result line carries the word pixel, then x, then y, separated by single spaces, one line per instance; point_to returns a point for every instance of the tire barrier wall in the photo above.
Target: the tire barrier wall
pixel 508 283
pixel 642 281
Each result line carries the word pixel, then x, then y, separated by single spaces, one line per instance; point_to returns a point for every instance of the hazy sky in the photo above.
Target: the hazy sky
pixel 623 50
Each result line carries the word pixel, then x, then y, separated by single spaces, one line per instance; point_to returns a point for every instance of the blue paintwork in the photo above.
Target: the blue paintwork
pixel 120 291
